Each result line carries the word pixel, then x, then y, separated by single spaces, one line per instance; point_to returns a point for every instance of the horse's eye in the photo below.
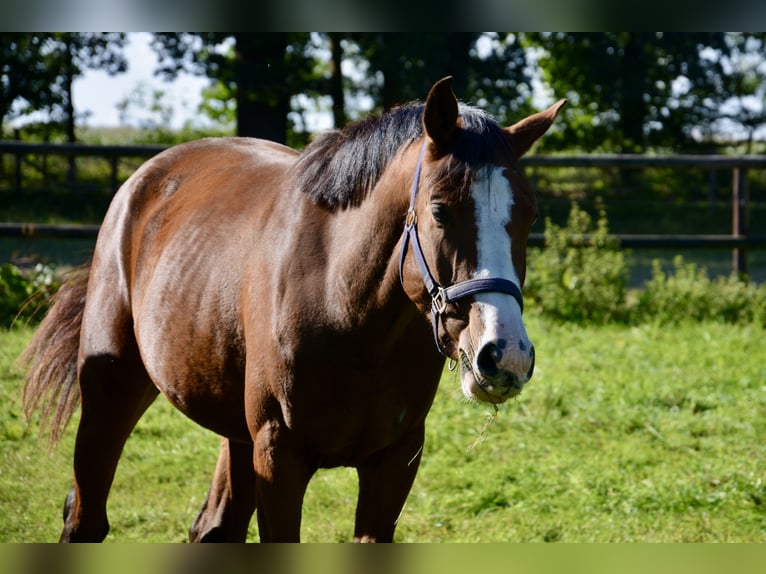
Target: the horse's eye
pixel 440 213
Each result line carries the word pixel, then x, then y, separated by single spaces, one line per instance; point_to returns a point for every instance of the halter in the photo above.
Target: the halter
pixel 443 296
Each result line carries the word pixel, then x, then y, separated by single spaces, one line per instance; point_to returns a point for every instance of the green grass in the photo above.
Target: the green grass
pixel 649 433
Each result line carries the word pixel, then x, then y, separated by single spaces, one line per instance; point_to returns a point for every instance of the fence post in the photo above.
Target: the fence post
pixel 114 165
pixel 17 174
pixel 739 219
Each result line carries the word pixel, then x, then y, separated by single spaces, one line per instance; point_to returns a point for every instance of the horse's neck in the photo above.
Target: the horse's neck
pixel 338 271
pixel 362 267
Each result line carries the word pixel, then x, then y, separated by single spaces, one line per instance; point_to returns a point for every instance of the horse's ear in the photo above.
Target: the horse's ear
pixel 440 114
pixel 529 130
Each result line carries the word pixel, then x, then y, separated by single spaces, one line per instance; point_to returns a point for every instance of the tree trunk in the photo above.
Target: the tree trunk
pixel 459 62
pixel 633 109
pixel 69 118
pixel 336 81
pixel 389 64
pixel 263 101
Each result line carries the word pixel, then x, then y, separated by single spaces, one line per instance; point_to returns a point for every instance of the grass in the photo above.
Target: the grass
pixel 626 434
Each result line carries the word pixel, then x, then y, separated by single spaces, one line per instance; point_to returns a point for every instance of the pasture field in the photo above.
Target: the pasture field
pixel 626 434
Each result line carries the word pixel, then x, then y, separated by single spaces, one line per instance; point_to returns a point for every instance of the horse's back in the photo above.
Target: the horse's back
pixel 201 197
pixel 208 184
pixel 204 169
pixel 194 181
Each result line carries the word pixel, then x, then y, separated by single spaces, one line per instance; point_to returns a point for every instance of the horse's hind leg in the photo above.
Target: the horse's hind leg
pixel 115 391
pixel 230 502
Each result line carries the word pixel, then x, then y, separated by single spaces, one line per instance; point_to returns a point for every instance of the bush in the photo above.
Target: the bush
pixel 688 293
pixel 24 294
pixel 581 276
pixel 581 273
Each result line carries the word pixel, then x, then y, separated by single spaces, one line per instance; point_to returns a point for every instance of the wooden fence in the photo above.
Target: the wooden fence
pixel 110 153
pixel 739 240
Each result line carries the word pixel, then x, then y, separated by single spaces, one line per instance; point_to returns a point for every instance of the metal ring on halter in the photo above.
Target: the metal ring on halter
pixel 439 301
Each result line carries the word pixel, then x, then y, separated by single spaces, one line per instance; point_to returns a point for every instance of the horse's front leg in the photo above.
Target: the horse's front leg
pixel 384 483
pixel 282 475
pixel 230 503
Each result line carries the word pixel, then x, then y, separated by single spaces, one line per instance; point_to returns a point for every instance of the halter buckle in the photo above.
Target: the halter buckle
pixel 411 220
pixel 439 301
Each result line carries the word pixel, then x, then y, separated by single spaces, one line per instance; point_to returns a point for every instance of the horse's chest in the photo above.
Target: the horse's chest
pixel 352 442
pixel 345 420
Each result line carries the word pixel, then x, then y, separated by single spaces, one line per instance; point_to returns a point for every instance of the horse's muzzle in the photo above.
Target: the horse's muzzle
pixel 498 372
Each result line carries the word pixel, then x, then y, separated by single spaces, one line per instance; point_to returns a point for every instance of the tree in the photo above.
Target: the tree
pixel 24 74
pixel 501 78
pixel 269 76
pixel 624 86
pixel 336 79
pixel 72 53
pixel 403 67
pixel 739 109
pixel 38 70
pixel 255 69
pixel 146 108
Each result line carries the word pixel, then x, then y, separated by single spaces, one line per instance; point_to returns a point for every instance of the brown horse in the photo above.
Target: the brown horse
pixel 273 297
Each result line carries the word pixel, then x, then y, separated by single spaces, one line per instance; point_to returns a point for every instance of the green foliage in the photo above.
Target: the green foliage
pixel 38 70
pixel 626 86
pixel 24 293
pixel 218 104
pixel 26 77
pixel 629 91
pixel 689 294
pixel 581 274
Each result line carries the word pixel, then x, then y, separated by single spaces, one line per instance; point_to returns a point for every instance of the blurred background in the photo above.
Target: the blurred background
pixel 629 92
pixel 650 94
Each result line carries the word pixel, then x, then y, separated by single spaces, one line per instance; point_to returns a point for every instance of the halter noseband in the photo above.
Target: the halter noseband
pixel 443 296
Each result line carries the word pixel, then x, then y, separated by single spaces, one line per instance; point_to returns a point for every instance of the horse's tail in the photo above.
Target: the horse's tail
pixel 51 358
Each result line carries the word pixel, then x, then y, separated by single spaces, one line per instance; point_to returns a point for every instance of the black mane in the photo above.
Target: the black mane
pixel 340 167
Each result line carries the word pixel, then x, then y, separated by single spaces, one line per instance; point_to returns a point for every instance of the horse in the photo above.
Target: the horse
pixel 301 305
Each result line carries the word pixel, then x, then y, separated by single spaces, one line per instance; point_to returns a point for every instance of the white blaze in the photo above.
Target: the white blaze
pixel 500 313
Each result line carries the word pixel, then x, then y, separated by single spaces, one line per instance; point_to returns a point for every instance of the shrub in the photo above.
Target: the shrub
pixel 689 294
pixel 24 294
pixel 581 274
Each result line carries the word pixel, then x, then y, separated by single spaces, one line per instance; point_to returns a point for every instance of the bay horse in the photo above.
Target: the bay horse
pixel 300 305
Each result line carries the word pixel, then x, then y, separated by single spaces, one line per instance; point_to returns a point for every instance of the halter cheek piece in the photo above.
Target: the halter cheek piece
pixel 443 296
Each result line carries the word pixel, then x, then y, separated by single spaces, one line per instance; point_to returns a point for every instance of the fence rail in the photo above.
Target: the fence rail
pixel 739 241
pixel 627 240
pixel 48 231
pixel 639 161
pixel 111 153
pixel 78 149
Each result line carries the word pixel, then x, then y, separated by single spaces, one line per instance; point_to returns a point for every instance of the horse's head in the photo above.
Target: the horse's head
pixel 466 236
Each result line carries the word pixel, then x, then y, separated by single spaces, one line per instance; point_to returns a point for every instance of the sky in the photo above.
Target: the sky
pixel 97 93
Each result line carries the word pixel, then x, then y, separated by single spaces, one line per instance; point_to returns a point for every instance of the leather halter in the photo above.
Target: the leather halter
pixel 443 296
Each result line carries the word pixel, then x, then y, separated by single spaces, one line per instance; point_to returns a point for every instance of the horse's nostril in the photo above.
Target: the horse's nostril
pixel 487 360
pixel 532 366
